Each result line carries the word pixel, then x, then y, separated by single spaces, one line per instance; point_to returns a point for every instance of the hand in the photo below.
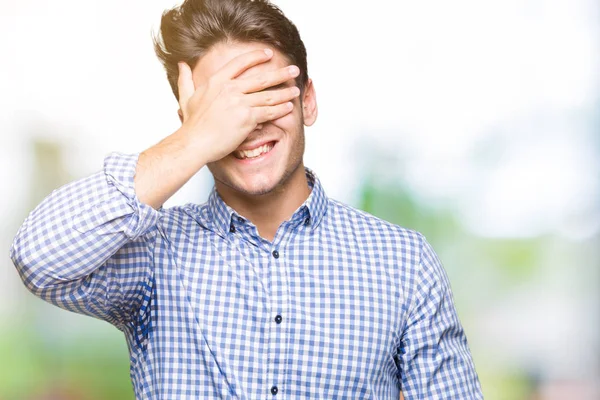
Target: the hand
pixel 225 110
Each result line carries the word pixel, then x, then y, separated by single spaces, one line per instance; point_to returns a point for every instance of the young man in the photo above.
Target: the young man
pixel 270 289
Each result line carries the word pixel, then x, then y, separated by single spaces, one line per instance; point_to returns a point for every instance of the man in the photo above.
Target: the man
pixel 270 289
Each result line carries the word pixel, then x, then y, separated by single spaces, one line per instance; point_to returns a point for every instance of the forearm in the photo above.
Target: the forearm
pixel 165 167
pixel 79 226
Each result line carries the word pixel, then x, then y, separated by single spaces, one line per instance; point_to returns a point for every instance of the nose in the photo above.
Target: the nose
pixel 259 126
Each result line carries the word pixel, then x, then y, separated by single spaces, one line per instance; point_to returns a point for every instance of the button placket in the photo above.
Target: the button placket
pixel 279 303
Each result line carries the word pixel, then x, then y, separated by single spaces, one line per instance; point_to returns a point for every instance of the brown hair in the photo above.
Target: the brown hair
pixel 189 31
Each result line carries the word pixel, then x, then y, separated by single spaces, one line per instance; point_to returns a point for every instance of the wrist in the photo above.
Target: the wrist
pixel 192 146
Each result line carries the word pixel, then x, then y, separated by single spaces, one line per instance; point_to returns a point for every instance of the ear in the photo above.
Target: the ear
pixel 180 114
pixel 309 103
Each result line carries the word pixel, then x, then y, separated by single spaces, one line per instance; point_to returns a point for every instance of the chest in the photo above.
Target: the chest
pixel 293 311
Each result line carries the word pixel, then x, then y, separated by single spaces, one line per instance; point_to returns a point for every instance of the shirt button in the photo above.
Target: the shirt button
pixel 275 254
pixel 240 219
pixel 274 390
pixel 278 319
pixel 307 221
pixel 231 228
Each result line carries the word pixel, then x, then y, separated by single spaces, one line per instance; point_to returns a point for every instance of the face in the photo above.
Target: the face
pixel 280 166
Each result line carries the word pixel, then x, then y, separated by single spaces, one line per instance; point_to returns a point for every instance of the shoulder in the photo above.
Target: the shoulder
pixel 374 230
pixel 393 249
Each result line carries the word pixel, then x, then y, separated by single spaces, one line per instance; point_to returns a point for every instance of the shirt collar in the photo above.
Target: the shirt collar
pixel 311 212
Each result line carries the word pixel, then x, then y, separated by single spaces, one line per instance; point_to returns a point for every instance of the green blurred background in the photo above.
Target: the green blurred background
pixel 476 123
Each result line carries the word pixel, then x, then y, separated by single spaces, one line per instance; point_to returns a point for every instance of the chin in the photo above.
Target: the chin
pixel 258 186
pixel 259 179
pixel 251 184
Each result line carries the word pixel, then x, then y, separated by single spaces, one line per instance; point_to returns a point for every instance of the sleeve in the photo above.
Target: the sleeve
pixel 87 247
pixel 435 361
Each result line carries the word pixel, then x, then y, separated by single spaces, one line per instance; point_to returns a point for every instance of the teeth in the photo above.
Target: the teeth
pixel 254 152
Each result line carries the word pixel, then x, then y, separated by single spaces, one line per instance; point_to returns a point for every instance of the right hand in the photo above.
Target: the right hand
pixel 222 112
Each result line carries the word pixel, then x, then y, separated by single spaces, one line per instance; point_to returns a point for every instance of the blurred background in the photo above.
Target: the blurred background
pixel 474 122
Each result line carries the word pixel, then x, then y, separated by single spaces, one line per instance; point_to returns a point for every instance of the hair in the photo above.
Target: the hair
pixel 189 31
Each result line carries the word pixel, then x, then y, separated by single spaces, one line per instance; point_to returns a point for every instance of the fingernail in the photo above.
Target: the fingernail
pixel 269 52
pixel 294 71
pixel 295 91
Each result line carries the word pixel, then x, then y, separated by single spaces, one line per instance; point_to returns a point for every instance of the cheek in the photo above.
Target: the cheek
pixel 289 123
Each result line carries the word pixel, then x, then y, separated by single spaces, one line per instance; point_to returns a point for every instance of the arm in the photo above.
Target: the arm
pixel 435 361
pixel 85 248
pixel 88 246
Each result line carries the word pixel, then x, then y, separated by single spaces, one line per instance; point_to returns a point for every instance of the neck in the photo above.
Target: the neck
pixel 269 210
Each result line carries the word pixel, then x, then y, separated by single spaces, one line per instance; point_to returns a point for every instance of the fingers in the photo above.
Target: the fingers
pixel 272 97
pixel 242 62
pixel 268 79
pixel 185 84
pixel 270 113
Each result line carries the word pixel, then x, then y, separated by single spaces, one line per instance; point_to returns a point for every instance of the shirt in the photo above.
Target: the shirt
pixel 341 305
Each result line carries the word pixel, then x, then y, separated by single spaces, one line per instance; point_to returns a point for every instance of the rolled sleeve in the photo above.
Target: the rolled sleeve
pixel 87 247
pixel 105 215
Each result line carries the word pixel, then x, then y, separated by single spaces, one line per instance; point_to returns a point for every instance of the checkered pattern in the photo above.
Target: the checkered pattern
pixel 341 305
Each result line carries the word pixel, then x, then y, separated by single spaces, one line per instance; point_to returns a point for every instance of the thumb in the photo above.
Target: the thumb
pixel 185 85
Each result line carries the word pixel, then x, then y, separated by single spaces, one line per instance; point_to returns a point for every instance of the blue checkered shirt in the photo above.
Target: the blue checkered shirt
pixel 341 305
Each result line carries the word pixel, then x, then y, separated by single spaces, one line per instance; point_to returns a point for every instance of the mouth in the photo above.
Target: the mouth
pixel 255 153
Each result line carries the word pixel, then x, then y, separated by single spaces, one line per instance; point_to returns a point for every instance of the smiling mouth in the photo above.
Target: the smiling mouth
pixel 254 153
